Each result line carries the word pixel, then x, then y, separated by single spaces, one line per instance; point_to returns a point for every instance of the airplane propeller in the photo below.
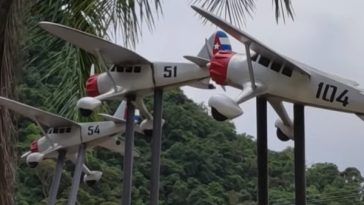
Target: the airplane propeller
pixel 92 70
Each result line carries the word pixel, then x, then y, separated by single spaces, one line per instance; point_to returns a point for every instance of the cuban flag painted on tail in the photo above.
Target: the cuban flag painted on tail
pixel 221 42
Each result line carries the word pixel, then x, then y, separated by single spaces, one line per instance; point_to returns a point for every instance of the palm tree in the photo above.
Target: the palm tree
pixel 64 68
pixel 9 24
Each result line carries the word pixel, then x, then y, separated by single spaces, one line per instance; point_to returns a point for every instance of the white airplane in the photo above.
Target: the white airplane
pixel 67 135
pixel 131 74
pixel 263 72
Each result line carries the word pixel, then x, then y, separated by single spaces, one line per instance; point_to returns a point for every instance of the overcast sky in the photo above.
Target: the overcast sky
pixel 326 34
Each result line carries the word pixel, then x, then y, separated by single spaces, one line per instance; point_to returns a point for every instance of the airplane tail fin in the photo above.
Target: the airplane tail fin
pixel 121 112
pixel 218 41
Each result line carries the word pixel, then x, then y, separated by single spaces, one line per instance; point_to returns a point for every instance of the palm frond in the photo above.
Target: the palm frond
pixel 282 7
pixel 236 11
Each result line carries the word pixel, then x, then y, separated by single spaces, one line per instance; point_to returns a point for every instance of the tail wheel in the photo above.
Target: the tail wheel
pixel 217 115
pixel 281 136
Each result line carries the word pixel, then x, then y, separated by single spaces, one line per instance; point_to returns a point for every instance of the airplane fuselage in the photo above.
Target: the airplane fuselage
pixel 142 79
pixel 71 137
pixel 317 90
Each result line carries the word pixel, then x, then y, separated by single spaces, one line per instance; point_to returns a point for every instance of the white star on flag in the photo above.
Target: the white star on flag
pixel 216 46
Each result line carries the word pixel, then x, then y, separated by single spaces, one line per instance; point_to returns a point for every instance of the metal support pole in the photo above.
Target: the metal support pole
pixel 156 146
pixel 128 156
pixel 299 154
pixel 56 178
pixel 72 198
pixel 262 151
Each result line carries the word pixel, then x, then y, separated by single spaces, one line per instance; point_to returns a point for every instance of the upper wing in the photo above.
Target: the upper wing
pixel 43 117
pixel 335 77
pixel 112 53
pixel 255 45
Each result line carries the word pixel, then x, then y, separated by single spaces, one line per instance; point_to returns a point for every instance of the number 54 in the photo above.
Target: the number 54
pixel 93 129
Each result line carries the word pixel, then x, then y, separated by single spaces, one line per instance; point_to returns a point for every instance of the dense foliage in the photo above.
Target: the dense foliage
pixel 203 162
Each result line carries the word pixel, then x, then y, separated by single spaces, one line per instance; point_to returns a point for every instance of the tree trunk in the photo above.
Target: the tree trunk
pixel 8 61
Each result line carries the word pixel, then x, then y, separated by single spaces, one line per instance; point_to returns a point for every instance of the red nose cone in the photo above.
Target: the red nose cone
pixel 219 65
pixel 91 86
pixel 34 146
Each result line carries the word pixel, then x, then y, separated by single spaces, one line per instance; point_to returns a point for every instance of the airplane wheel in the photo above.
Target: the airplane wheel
pixel 217 116
pixel 91 182
pixel 32 164
pixel 148 132
pixel 117 142
pixel 85 112
pixel 281 136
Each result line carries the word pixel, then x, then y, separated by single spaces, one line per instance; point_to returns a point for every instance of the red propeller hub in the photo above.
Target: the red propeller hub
pixel 219 65
pixel 91 86
pixel 34 146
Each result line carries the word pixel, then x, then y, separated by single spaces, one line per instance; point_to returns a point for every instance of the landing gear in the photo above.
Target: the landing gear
pixel 85 112
pixel 217 115
pixel 281 136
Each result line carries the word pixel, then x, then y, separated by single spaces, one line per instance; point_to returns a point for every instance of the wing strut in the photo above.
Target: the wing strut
pixel 44 133
pixel 250 65
pixel 101 59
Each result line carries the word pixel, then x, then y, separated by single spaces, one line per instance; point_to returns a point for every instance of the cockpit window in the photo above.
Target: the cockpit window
pixel 276 66
pixel 287 71
pixel 254 57
pixel 61 130
pixel 120 68
pixel 137 69
pixel 129 69
pixel 264 61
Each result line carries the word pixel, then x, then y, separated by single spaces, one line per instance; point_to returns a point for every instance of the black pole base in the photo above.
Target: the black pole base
pixel 262 151
pixel 156 146
pixel 299 154
pixel 128 156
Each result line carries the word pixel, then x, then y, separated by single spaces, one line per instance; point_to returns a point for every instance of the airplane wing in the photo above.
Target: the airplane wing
pixel 112 53
pixel 255 45
pixel 111 118
pixel 43 117
pixel 335 77
pixel 110 144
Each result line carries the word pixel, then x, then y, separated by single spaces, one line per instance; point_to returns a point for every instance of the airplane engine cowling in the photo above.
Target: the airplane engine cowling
pixel 91 86
pixel 224 107
pixel 91 179
pixel 88 103
pixel 218 66
pixel 287 131
pixel 34 158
